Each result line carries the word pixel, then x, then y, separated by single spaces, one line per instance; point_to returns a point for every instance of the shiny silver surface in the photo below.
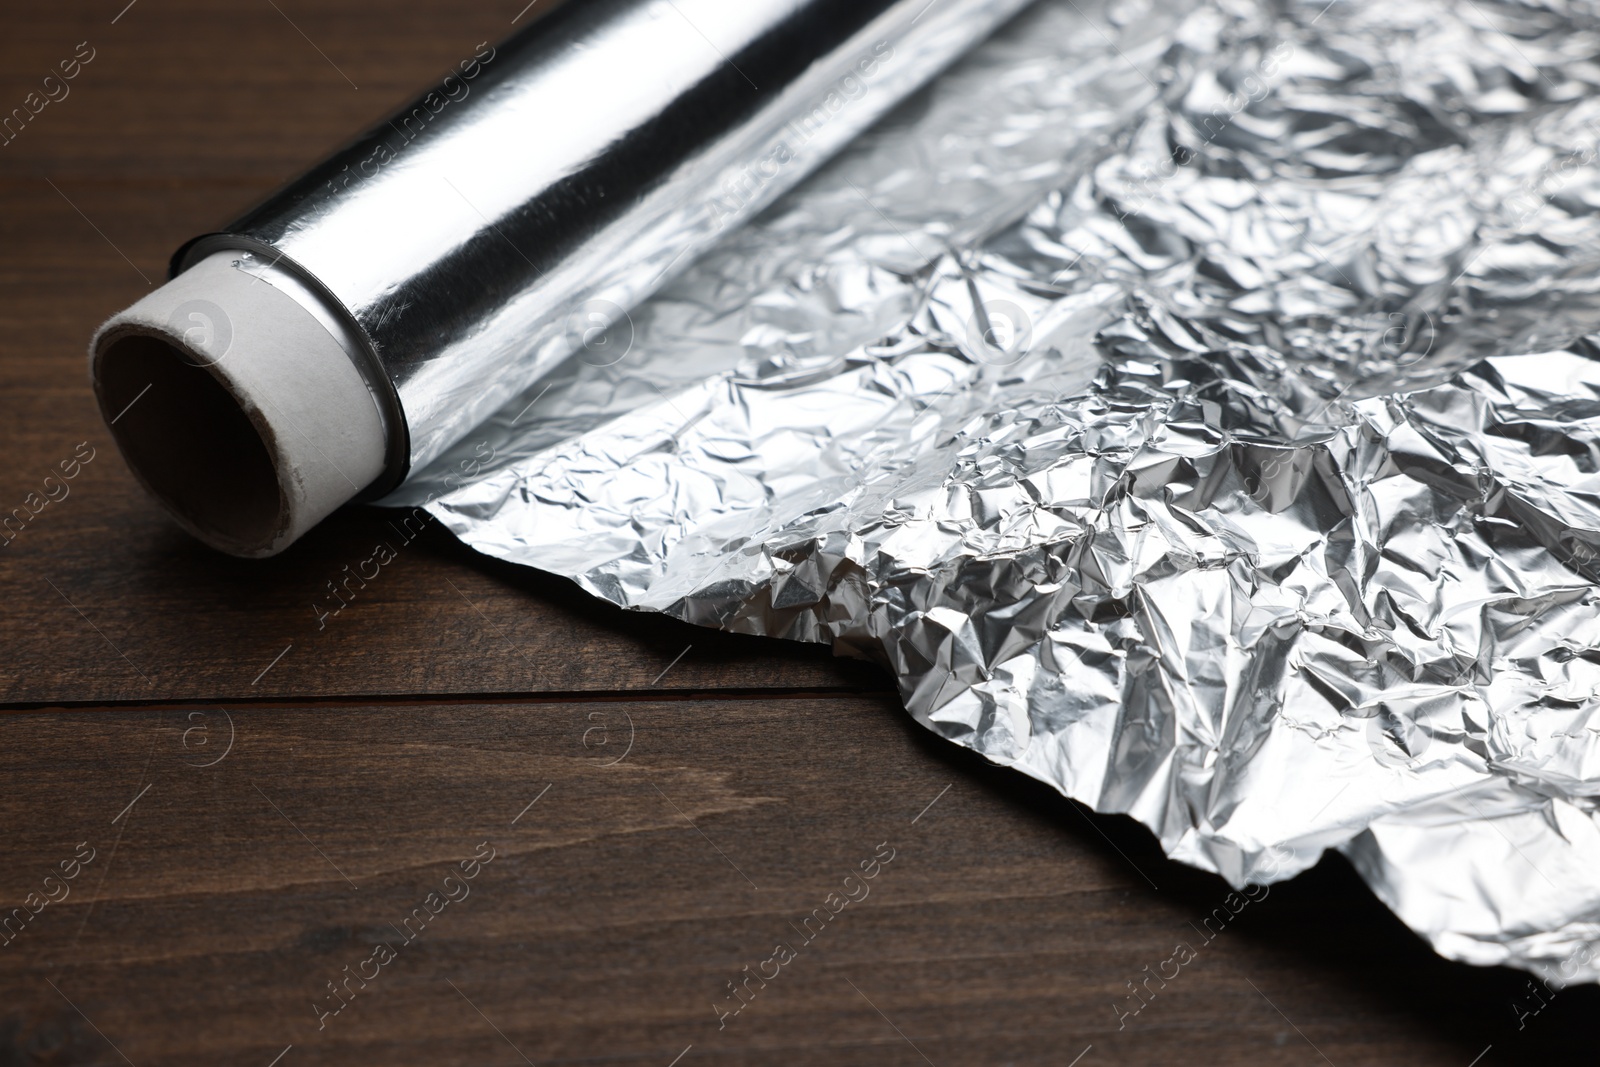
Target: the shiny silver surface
pixel 556 179
pixel 1196 407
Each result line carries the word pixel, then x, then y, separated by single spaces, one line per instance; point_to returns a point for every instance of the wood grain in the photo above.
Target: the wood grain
pixel 266 799
pixel 620 904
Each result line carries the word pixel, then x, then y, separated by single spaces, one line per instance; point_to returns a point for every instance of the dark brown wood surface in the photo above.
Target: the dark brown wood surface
pixel 265 801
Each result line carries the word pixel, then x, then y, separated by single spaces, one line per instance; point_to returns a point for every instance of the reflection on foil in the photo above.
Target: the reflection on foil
pixel 1194 406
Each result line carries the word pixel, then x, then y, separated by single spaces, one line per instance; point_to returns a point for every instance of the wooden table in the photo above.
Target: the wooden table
pixel 249 804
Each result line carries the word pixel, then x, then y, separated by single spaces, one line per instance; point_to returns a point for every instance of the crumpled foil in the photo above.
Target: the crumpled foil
pixel 1195 406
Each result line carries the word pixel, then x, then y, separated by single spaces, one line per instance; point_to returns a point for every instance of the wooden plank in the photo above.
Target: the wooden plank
pixel 619 905
pixel 105 600
pixel 187 113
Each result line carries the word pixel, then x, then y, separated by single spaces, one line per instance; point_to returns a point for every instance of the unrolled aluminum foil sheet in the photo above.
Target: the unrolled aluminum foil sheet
pixel 1196 405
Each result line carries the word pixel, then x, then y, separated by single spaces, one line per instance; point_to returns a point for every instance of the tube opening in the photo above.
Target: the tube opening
pixel 191 442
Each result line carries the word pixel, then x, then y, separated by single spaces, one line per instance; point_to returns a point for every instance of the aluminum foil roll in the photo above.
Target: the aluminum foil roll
pixel 472 241
pixel 1195 405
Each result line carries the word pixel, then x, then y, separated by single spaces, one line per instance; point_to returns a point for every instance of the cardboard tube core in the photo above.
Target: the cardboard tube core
pixel 236 408
pixel 190 440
